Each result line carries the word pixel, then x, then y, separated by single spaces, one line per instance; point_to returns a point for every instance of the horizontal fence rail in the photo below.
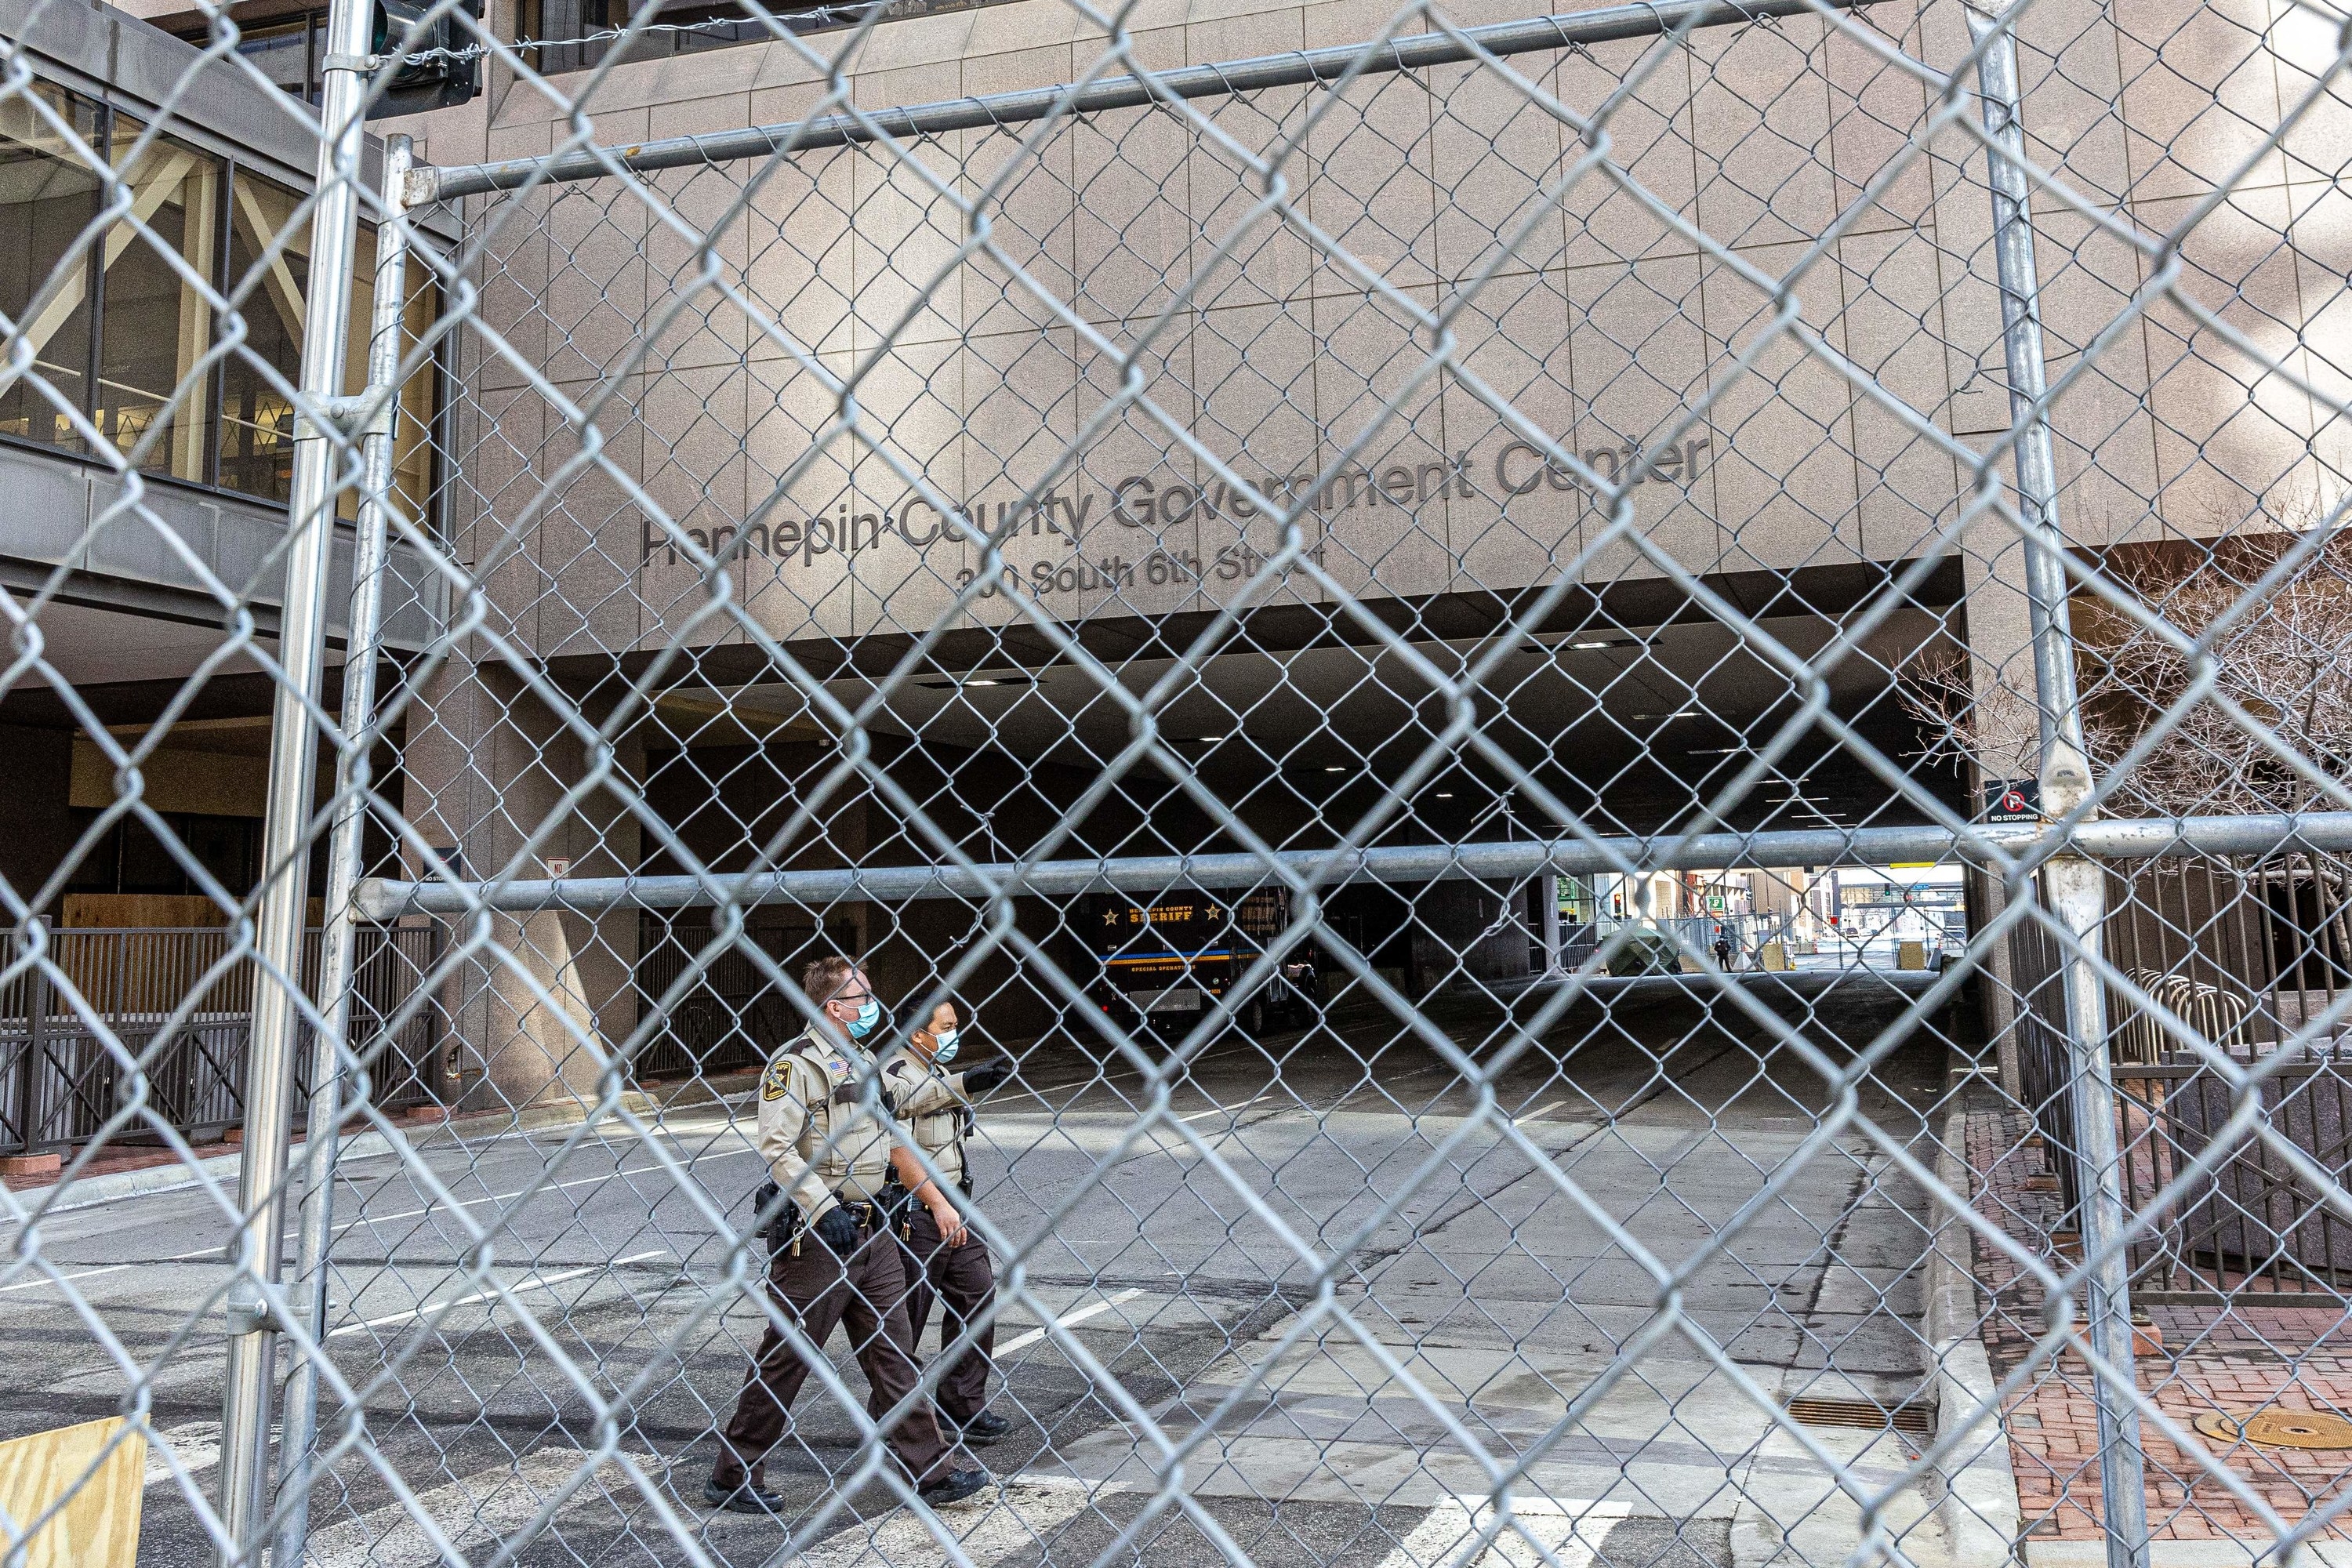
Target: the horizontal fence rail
pixel 2109 839
pixel 428 183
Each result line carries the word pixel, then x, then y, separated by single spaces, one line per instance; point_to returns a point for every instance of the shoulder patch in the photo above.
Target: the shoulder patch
pixel 776 1083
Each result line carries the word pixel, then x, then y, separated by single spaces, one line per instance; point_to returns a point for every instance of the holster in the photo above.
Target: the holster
pixel 785 1226
pixel 898 1205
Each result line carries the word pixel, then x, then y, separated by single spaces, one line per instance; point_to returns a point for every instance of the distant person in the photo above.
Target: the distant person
pixel 830 1260
pixel 1722 948
pixel 944 1259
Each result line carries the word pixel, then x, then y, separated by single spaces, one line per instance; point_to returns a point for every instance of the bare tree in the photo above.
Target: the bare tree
pixel 2285 656
pixel 2281 652
pixel 2285 659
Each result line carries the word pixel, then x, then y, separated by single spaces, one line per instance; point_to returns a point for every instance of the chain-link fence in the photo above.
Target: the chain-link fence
pixel 1020 784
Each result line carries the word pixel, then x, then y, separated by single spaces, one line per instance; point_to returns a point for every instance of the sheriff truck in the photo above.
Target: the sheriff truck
pixel 1167 958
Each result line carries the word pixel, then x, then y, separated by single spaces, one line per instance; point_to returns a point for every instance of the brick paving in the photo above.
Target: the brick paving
pixel 2234 1361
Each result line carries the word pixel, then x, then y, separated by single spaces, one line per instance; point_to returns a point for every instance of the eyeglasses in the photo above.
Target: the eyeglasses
pixel 856 998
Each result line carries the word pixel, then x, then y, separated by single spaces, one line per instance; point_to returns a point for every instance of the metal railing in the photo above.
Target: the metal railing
pixel 172 1011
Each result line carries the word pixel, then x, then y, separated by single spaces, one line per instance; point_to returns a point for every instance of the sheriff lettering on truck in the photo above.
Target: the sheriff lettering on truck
pixel 1167 958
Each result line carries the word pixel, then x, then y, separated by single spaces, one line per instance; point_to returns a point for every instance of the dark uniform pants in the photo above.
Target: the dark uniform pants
pixel 818 1290
pixel 964 1280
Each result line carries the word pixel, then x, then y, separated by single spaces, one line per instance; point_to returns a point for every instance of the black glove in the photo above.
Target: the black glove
pixel 839 1232
pixel 986 1076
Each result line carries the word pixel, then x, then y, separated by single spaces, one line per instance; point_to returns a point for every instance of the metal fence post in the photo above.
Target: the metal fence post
pixel 343 846
pixel 293 756
pixel 2074 885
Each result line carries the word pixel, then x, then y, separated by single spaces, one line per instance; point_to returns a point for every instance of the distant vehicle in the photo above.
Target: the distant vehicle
pixel 1167 959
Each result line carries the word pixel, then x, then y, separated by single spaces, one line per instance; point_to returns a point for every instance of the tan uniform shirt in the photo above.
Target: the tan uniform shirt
pixel 816 1138
pixel 932 1107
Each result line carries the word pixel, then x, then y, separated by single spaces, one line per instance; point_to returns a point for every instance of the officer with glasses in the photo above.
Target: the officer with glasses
pixel 833 1261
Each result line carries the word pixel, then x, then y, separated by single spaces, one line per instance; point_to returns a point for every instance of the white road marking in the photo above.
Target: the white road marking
pixel 542 1283
pixel 1224 1109
pixel 485 1507
pixel 1024 1341
pixel 1572 1531
pixel 86 1274
pixel 1022 1514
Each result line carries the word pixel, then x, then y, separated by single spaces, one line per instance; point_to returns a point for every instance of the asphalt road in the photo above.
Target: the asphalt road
pixel 1216 1388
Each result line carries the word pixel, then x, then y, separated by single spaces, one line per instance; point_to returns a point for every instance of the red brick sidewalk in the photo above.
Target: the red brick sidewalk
pixel 2212 1359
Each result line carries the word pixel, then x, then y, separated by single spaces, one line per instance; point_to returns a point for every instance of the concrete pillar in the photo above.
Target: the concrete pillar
pixel 545 1003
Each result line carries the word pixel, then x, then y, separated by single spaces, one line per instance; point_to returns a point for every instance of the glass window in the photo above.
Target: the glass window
pixel 155 323
pixel 687 26
pixel 48 193
pixel 268 267
pixel 286 52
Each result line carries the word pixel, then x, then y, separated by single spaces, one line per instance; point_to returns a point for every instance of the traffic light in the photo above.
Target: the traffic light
pixel 443 66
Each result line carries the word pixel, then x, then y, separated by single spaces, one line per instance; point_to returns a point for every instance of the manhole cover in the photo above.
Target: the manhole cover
pixel 2279 1428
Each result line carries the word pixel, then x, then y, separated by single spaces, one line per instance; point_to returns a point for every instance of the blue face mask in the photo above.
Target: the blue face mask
pixel 945 1051
pixel 868 1016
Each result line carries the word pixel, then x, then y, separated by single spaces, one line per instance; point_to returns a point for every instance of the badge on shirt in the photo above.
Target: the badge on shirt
pixel 840 1066
pixel 775 1083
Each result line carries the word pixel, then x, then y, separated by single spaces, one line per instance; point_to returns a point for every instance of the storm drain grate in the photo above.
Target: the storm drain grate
pixel 1916 1420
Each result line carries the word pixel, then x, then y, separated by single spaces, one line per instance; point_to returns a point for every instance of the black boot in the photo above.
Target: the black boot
pixel 954 1487
pixel 746 1496
pixel 985 1427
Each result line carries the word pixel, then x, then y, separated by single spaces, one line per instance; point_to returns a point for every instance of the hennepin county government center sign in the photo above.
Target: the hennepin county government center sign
pixel 1139 501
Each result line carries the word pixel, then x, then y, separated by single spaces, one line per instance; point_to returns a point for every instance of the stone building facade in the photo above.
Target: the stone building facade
pixel 1750 271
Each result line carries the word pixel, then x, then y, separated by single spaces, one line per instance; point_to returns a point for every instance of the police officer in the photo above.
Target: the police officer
pixel 944 1258
pixel 832 1260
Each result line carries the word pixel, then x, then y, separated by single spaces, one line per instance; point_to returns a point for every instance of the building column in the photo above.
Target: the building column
pixel 542 1008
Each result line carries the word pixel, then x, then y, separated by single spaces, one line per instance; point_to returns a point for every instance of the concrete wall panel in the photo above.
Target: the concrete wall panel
pixel 803 458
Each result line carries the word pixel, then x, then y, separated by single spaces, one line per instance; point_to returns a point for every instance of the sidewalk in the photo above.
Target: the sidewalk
pixel 2211 1359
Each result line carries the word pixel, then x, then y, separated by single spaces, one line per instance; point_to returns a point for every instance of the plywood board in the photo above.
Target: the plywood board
pixel 98 1526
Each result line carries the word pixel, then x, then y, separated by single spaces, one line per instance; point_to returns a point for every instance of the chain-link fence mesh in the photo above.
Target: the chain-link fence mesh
pixel 1033 785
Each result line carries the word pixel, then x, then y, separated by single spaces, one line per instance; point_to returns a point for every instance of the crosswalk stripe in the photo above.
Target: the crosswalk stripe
pixel 1022 1514
pixel 485 1507
pixel 1573 1531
